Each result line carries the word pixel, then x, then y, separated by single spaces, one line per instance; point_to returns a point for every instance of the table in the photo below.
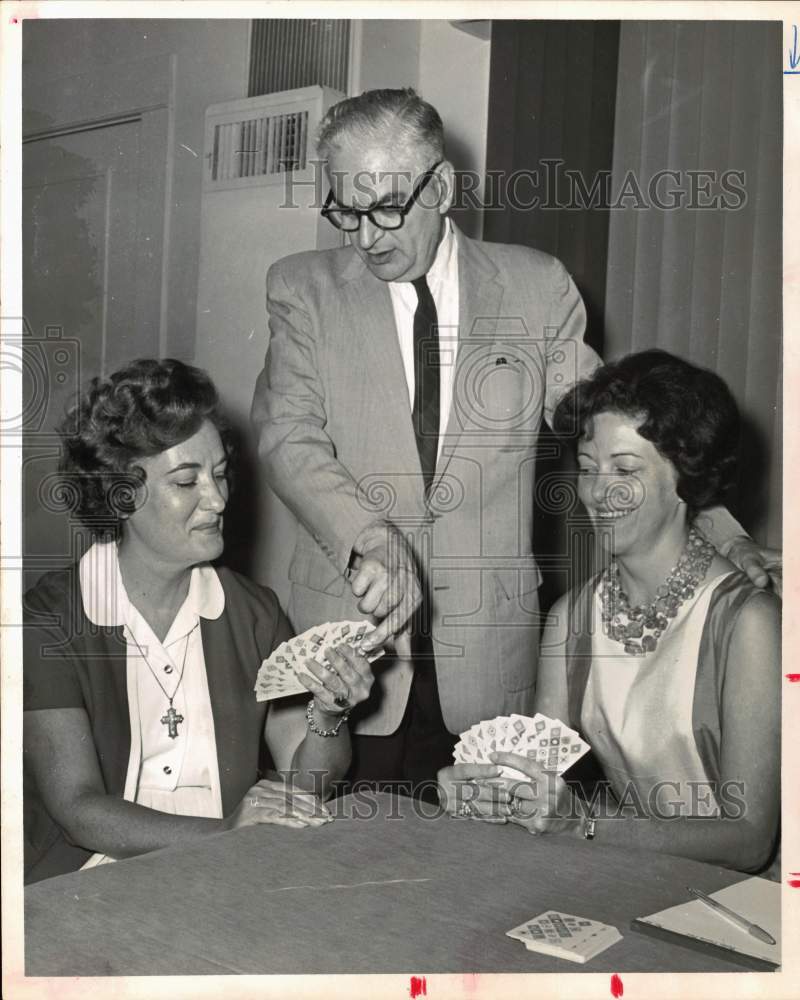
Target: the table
pixel 382 889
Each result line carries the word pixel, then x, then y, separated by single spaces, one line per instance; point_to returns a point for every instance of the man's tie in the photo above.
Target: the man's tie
pixel 425 412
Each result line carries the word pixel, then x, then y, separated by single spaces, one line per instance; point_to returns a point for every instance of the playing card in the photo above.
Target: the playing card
pixel 550 744
pixel 473 739
pixel 503 724
pixel 351 633
pixel 557 746
pixel 564 935
pixel 277 676
pixel 518 728
pixel 489 735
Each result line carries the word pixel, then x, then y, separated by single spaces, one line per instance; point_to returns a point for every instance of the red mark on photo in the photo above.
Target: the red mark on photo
pixel 794 882
pixel 469 982
pixel 793 678
pixel 616 986
pixel 418 987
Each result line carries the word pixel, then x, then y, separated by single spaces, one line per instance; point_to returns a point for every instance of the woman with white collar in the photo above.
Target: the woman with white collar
pixel 141 725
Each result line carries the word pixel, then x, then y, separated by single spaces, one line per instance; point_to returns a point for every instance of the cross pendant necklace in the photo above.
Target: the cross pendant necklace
pixel 171 717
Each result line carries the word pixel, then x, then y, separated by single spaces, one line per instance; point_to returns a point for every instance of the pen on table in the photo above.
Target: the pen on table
pixel 757 932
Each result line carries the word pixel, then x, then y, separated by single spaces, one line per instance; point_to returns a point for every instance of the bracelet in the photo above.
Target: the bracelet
pixel 312 725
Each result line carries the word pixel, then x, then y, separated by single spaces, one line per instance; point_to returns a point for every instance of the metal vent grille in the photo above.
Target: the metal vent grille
pixel 259 146
pixel 288 54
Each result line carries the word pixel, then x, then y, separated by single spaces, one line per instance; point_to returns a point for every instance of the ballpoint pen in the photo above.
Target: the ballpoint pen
pixel 741 922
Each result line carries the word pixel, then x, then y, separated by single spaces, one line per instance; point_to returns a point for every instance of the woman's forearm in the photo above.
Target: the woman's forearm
pixel 732 843
pixel 321 761
pixel 122 829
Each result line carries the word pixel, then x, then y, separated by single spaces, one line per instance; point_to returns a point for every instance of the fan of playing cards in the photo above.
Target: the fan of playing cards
pixel 548 742
pixel 277 677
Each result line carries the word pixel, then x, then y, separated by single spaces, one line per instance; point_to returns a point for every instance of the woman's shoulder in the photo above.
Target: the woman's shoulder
pixel 734 590
pixel 577 601
pixel 246 596
pixel 55 591
pixel 570 619
pixel 739 607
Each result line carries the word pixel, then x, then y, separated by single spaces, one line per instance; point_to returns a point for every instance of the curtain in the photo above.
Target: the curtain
pixel 552 94
pixel 703 279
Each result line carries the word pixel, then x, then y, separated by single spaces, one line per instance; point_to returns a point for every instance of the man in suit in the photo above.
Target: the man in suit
pixel 398 411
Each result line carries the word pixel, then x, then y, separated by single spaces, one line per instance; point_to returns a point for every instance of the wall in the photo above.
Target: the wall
pixel 412 54
pixel 384 54
pixel 454 77
pixel 211 66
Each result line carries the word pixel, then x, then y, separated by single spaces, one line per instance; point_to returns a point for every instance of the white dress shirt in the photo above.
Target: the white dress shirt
pixel 443 283
pixel 181 775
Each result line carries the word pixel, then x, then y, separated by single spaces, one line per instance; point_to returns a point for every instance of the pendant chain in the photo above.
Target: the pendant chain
pixel 171 718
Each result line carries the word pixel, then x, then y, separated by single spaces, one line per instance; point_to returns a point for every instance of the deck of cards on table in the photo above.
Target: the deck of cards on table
pixel 277 676
pixel 563 935
pixel 549 743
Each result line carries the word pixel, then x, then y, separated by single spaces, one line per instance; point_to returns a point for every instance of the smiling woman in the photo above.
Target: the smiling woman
pixel 141 724
pixel 668 662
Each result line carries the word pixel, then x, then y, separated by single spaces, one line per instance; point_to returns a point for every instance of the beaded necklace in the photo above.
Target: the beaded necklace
pixel 639 628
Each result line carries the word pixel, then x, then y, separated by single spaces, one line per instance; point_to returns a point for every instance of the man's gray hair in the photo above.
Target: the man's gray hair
pixel 374 113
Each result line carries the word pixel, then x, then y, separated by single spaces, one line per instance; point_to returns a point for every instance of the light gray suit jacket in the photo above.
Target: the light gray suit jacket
pixel 336 439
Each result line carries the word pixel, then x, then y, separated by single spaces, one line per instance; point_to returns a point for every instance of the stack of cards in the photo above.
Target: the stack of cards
pixel 565 936
pixel 277 677
pixel 548 742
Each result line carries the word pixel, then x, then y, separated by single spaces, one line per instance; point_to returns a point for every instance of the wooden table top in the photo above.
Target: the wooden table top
pixel 382 889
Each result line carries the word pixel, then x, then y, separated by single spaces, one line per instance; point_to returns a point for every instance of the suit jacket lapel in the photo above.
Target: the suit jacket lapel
pixel 480 297
pixel 369 303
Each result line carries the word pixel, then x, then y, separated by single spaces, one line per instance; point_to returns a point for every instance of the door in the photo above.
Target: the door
pixel 92 206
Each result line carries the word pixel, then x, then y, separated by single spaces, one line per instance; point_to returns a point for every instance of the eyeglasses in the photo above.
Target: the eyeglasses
pixel 382 216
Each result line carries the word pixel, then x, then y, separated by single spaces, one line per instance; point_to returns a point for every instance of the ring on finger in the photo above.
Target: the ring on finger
pixel 341 701
pixel 465 810
pixel 513 806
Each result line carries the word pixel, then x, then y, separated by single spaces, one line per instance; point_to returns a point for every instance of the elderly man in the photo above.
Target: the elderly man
pixel 405 383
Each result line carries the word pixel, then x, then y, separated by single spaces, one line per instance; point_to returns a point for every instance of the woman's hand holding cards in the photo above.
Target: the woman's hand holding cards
pixel 541 805
pixel 343 682
pixel 474 791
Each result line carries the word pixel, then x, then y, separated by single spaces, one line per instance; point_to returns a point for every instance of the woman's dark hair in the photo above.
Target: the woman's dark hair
pixel 139 411
pixel 688 413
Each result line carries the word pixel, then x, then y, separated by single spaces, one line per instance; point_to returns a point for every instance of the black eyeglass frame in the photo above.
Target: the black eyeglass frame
pixel 327 209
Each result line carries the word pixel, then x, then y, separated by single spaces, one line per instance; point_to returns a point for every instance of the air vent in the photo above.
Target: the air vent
pixel 260 147
pixel 261 140
pixel 286 54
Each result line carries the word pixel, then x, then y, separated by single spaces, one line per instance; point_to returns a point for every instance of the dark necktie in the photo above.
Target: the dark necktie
pixel 425 412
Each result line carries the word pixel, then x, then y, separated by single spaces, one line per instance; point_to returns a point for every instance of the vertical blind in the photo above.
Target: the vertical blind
pixel 286 54
pixel 703 99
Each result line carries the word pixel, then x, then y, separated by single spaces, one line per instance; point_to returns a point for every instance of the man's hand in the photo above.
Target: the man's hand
pixel 760 564
pixel 385 581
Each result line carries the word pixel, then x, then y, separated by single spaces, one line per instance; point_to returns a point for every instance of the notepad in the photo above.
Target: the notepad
pixel 757 899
